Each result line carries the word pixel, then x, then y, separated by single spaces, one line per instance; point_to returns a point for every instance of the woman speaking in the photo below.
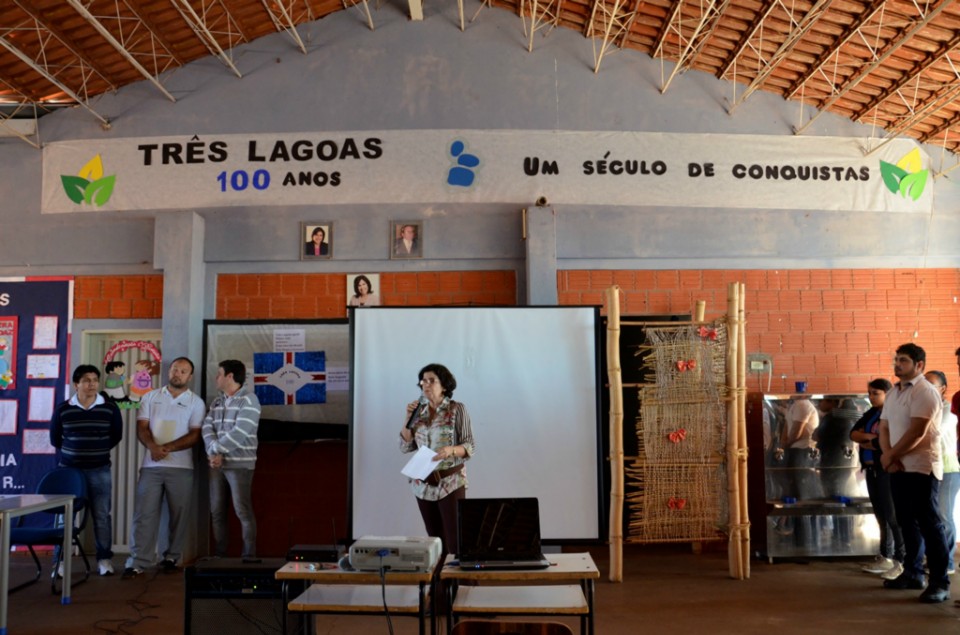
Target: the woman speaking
pixel 443 425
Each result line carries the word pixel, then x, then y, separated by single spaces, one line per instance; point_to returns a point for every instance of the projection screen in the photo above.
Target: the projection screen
pixel 529 380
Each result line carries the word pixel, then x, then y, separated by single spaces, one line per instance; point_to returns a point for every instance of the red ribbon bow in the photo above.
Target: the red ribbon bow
pixel 708 333
pixel 677 503
pixel 684 365
pixel 678 435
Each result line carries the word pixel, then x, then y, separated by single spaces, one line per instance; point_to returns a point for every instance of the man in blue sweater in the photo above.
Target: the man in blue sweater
pixel 230 439
pixel 84 429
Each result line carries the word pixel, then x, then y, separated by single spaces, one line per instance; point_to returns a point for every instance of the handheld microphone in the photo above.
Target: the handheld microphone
pixel 413 415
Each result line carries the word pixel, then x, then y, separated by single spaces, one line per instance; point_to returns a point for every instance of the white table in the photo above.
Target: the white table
pixel 525 591
pixel 13 506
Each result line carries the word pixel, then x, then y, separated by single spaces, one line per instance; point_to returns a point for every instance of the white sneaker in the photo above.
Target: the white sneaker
pixel 60 570
pixel 878 565
pixel 105 567
pixel 894 571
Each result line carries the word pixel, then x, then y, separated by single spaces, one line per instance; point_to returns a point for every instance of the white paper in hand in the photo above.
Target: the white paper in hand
pixel 421 464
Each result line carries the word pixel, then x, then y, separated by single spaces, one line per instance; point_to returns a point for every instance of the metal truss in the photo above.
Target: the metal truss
pixel 52 73
pixel 285 18
pixel 799 27
pixel 543 14
pixel 365 8
pixel 8 117
pixel 923 18
pixel 209 25
pixel 690 34
pixel 610 23
pixel 132 40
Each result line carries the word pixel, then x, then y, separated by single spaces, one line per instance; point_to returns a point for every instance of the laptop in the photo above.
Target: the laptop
pixel 499 533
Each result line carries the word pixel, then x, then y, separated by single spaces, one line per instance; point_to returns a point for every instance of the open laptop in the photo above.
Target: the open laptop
pixel 499 533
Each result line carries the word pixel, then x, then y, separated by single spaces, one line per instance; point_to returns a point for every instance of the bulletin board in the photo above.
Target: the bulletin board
pixel 35 316
pixel 299 370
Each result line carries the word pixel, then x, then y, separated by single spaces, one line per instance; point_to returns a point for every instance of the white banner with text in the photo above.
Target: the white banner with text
pixel 485 166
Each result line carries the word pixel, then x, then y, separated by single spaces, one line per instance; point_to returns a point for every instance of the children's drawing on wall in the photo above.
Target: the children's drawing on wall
pixel 8 352
pixel 142 381
pixel 125 380
pixel 114 384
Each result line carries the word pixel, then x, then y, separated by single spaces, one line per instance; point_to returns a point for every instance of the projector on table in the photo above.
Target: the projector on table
pixel 395 553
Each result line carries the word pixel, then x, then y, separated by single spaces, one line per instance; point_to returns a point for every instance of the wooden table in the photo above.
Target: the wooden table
pixel 334 590
pixel 563 589
pixel 13 506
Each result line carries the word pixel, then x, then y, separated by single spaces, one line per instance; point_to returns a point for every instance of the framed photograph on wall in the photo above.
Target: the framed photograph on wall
pixel 406 239
pixel 316 240
pixel 363 289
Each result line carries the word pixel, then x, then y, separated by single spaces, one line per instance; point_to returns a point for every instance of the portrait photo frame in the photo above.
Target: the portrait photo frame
pixel 307 231
pixel 399 247
pixel 359 296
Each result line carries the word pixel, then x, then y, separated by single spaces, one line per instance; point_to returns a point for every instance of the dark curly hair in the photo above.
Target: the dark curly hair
pixel 447 381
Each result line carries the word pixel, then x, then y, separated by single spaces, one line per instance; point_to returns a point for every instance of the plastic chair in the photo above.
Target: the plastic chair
pixel 61 480
pixel 491 627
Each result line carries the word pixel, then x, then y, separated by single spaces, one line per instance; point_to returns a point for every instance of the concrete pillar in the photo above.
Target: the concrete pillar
pixel 541 256
pixel 178 252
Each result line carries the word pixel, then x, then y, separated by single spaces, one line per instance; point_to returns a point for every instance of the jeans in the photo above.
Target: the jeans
pixel 916 498
pixel 948 500
pixel 891 538
pixel 235 484
pixel 99 494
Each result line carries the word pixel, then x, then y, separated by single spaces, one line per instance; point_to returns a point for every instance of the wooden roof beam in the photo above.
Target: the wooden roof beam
pixel 905 35
pixel 748 35
pixel 799 30
pixel 942 52
pixel 848 34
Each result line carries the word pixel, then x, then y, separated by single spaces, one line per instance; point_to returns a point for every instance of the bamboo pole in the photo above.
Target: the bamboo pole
pixel 615 380
pixel 733 491
pixel 701 310
pixel 742 432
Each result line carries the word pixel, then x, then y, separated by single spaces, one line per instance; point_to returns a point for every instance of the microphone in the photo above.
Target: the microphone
pixel 413 415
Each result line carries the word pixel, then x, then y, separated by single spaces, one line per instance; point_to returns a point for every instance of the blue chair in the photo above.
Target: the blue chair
pixel 61 480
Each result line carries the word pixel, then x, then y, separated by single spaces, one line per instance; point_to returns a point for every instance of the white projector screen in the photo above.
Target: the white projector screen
pixel 529 380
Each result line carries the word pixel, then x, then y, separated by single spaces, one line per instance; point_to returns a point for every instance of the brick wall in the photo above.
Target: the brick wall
pixel 118 297
pixel 324 295
pixel 835 329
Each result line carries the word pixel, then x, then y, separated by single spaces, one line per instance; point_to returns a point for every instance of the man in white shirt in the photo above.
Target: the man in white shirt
pixel 910 440
pixel 168 425
pixel 951 466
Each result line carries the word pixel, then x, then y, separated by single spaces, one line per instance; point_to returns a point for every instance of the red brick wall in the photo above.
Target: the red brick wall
pixel 324 295
pixel 835 329
pixel 118 297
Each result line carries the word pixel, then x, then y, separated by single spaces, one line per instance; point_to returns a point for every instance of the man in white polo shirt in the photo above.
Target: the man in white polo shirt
pixel 168 424
pixel 910 440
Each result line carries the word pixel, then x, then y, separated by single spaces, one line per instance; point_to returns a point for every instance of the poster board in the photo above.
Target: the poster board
pixel 299 369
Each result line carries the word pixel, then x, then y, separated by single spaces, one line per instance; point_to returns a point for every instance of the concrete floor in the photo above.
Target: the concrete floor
pixel 666 590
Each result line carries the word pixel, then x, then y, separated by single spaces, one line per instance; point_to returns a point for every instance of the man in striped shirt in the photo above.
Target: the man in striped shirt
pixel 230 439
pixel 84 429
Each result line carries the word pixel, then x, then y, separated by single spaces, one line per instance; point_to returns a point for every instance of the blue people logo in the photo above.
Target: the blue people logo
pixel 462 174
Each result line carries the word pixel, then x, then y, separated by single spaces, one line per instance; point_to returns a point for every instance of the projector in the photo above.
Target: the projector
pixel 395 553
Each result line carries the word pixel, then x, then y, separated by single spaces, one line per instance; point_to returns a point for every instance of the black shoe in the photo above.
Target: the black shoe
pixel 130 573
pixel 935 595
pixel 168 566
pixel 905 581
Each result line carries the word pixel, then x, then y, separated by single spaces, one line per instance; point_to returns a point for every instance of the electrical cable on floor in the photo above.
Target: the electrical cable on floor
pixel 383 589
pixel 123 626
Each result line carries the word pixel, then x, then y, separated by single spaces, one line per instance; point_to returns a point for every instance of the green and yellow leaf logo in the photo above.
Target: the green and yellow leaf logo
pixel 90 185
pixel 907 178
